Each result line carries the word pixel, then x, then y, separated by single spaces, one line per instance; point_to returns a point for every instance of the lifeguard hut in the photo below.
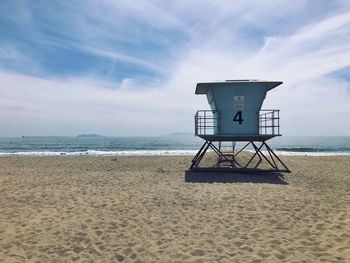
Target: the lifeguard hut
pixel 235 115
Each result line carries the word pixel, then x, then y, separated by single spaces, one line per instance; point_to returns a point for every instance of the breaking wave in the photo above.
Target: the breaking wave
pixel 102 153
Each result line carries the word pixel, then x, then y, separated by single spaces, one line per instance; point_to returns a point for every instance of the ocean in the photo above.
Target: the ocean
pixel 183 144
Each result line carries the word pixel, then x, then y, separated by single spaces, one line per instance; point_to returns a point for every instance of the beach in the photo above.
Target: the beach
pixel 140 209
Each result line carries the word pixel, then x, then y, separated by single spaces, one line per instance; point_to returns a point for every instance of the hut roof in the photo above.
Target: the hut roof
pixel 202 88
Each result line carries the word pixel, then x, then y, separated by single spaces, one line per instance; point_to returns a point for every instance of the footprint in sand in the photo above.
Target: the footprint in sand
pixel 198 253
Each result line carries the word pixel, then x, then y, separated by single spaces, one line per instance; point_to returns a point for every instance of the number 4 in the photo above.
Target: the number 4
pixel 238 117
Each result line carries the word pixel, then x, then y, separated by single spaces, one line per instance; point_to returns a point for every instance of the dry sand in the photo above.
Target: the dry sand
pixel 139 209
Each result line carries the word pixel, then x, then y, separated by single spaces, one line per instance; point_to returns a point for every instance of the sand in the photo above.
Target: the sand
pixel 140 209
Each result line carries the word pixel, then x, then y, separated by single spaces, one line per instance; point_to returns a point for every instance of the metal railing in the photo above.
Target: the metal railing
pixel 269 122
pixel 207 122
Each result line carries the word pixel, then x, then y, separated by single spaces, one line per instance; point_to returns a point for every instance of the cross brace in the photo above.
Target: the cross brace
pixel 229 162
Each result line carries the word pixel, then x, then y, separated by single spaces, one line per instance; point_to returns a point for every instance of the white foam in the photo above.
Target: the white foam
pixel 103 153
pixel 286 153
pixel 157 152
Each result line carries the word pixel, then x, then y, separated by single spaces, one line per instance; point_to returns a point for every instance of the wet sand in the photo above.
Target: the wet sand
pixel 140 209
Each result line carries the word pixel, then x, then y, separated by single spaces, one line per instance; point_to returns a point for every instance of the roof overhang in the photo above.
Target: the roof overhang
pixel 202 88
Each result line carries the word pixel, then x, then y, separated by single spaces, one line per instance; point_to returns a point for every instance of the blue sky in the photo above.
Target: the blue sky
pixel 130 67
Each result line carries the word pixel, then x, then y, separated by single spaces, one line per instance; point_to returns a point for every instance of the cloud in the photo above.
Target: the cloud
pixel 59 107
pixel 179 44
pixel 318 49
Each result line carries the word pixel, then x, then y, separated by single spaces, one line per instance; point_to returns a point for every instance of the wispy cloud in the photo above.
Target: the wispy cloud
pixel 90 61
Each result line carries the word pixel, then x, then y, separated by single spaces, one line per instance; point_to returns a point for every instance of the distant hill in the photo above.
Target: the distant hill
pixel 92 135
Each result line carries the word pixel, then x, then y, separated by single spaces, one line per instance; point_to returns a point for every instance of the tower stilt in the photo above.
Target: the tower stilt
pixel 261 159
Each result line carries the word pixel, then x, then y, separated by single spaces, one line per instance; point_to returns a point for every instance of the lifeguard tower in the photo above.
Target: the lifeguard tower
pixel 235 115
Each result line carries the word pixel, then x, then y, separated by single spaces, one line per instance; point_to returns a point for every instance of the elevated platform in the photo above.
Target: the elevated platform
pixel 237 138
pixel 208 126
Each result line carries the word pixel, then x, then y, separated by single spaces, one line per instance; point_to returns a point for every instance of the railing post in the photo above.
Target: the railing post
pixel 218 122
pixel 195 124
pixel 205 122
pixel 273 122
pixel 278 113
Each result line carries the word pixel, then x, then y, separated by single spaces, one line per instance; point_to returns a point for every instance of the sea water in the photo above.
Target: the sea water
pixel 186 144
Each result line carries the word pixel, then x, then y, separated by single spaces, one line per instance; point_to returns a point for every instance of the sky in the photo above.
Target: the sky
pixel 129 68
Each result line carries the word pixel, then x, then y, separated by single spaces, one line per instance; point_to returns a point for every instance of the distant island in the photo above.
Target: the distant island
pixel 92 135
